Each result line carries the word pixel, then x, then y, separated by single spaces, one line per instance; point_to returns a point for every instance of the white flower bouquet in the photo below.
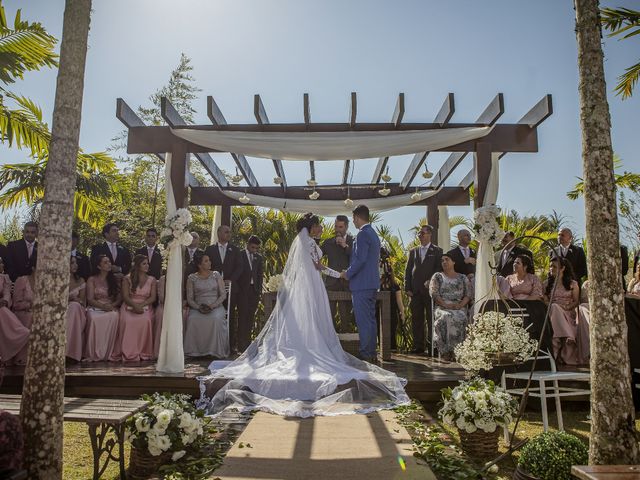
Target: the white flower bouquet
pixel 170 423
pixel 492 333
pixel 175 229
pixel 477 404
pixel 486 225
pixel 274 283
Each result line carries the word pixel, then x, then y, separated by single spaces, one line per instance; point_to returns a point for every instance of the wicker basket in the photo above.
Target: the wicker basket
pixel 503 358
pixel 142 464
pixel 479 444
pixel 520 474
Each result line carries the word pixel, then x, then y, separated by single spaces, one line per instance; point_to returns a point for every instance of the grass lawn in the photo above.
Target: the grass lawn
pixel 77 456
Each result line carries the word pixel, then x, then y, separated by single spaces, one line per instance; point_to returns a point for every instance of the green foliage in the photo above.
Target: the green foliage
pixel 623 22
pixel 11 229
pixel 549 456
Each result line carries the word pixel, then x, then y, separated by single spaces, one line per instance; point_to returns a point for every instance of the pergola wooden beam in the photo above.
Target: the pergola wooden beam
pixel 345 172
pixel 261 117
pixel 130 119
pixel 398 114
pixel 217 118
pixel 174 119
pixel 353 113
pixel 442 119
pixel 214 196
pixel 307 122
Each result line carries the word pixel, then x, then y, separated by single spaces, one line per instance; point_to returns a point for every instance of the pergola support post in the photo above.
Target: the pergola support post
pixel 433 217
pixel 179 159
pixel 226 215
pixel 482 168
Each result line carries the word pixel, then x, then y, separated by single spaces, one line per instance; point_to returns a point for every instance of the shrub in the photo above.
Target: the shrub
pixel 549 455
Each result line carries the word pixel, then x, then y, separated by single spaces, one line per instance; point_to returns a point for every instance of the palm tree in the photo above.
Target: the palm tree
pixel 622 180
pixel 28 47
pixel 624 22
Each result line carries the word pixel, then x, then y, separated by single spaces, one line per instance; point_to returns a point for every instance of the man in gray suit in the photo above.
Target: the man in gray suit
pixel 337 249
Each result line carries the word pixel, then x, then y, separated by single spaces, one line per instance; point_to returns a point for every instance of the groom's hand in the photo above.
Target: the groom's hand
pixel 343 274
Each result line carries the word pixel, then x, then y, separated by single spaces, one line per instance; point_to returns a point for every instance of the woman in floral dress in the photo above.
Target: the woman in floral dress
pixel 450 292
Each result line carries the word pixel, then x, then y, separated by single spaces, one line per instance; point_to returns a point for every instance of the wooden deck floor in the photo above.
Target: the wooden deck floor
pixel 425 376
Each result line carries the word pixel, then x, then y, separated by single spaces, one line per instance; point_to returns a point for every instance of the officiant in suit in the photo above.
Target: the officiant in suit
pixel 226 259
pixel 189 252
pixel 249 287
pixel 572 253
pixel 150 250
pixel 508 254
pixel 84 266
pixel 22 254
pixel 120 256
pixel 464 257
pixel 423 262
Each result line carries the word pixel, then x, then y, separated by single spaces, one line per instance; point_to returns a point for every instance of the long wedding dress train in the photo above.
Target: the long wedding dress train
pixel 296 365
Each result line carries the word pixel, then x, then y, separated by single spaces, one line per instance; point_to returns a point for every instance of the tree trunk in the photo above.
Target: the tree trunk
pixel 613 437
pixel 43 391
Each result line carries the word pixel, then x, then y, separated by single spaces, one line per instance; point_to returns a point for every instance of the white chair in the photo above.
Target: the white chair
pixel 545 391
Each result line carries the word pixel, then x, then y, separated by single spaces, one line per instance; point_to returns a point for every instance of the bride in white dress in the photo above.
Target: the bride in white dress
pixel 296 366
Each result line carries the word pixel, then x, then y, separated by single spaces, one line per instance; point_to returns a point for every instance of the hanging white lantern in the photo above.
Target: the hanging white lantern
pixel 312 183
pixel 314 196
pixel 426 173
pixel 278 180
pixel 244 199
pixel 384 191
pixel 385 178
pixel 416 196
pixel 348 203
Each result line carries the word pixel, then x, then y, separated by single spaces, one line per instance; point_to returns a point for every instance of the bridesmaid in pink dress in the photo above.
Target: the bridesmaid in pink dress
pixel 103 297
pixel 14 336
pixel 76 313
pixel 633 289
pixel 135 331
pixel 568 330
pixel 23 298
pixel 523 284
pixel 157 317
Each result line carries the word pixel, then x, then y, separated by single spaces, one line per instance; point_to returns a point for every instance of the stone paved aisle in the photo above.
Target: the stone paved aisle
pixel 320 448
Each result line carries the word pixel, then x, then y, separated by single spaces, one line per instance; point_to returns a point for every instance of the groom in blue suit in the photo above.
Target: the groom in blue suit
pixel 364 281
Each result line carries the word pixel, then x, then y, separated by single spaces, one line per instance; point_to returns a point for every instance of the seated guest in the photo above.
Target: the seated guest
pixel 103 298
pixel 633 290
pixel 23 298
pixel 14 336
pixel 84 266
pixel 22 254
pixel 450 293
pixel 135 331
pixel 207 329
pixel 567 329
pixel 119 256
pixel 523 284
pixel 150 250
pixel 76 314
pixel 507 255
pixel 158 314
pixel 389 283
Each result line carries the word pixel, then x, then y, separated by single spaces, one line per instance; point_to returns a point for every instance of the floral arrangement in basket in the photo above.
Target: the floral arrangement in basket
pixel 493 333
pixel 274 283
pixel 486 225
pixel 170 423
pixel 477 404
pixel 175 229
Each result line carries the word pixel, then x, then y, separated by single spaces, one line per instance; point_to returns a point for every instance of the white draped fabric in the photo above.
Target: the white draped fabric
pixel 484 278
pixel 329 208
pixel 217 221
pixel 444 232
pixel 296 366
pixel 171 355
pixel 330 145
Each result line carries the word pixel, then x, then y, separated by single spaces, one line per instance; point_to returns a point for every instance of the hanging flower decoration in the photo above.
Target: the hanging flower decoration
pixel 384 191
pixel 244 199
pixel 416 196
pixel 175 232
pixel 486 225
pixel 348 203
pixel 427 173
pixel 312 183
pixel 385 178
pixel 278 180
pixel 314 196
pixel 237 178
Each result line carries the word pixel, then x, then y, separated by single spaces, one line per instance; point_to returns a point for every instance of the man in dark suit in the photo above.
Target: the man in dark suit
pixel 464 257
pixel 249 286
pixel 84 266
pixel 423 262
pixel 4 254
pixel 189 252
pixel 509 253
pixel 572 253
pixel 22 255
pixel 150 250
pixel 226 259
pixel 120 257
pixel 337 249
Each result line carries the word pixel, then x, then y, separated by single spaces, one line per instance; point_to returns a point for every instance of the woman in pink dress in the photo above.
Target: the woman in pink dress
pixel 14 336
pixel 568 330
pixel 633 289
pixel 103 297
pixel 23 298
pixel 523 284
pixel 76 313
pixel 157 317
pixel 135 331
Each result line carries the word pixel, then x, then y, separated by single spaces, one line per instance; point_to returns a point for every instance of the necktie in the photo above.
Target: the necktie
pixel 29 249
pixel 223 252
pixel 465 252
pixel 149 253
pixel 423 250
pixel 114 251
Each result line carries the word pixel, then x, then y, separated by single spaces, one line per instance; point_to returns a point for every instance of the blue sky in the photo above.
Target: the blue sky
pixel 284 48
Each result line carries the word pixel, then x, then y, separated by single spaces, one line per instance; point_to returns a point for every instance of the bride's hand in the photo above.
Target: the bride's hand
pixel 319 266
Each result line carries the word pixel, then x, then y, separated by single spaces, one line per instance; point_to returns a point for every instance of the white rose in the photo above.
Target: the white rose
pixel 164 417
pixel 142 424
pixel 158 428
pixel 153 450
pixel 490 427
pixel 185 420
pixel 185 439
pixel 460 423
pixel 164 442
pixel 470 428
pixel 178 455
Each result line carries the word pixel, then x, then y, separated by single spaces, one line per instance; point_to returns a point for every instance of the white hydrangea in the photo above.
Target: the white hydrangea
pixel 486 225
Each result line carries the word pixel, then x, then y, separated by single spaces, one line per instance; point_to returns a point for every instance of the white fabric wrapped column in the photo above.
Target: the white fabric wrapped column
pixel 217 221
pixel 444 232
pixel 483 278
pixel 171 356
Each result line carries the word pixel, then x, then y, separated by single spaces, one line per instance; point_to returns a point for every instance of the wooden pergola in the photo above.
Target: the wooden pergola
pixel 503 138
